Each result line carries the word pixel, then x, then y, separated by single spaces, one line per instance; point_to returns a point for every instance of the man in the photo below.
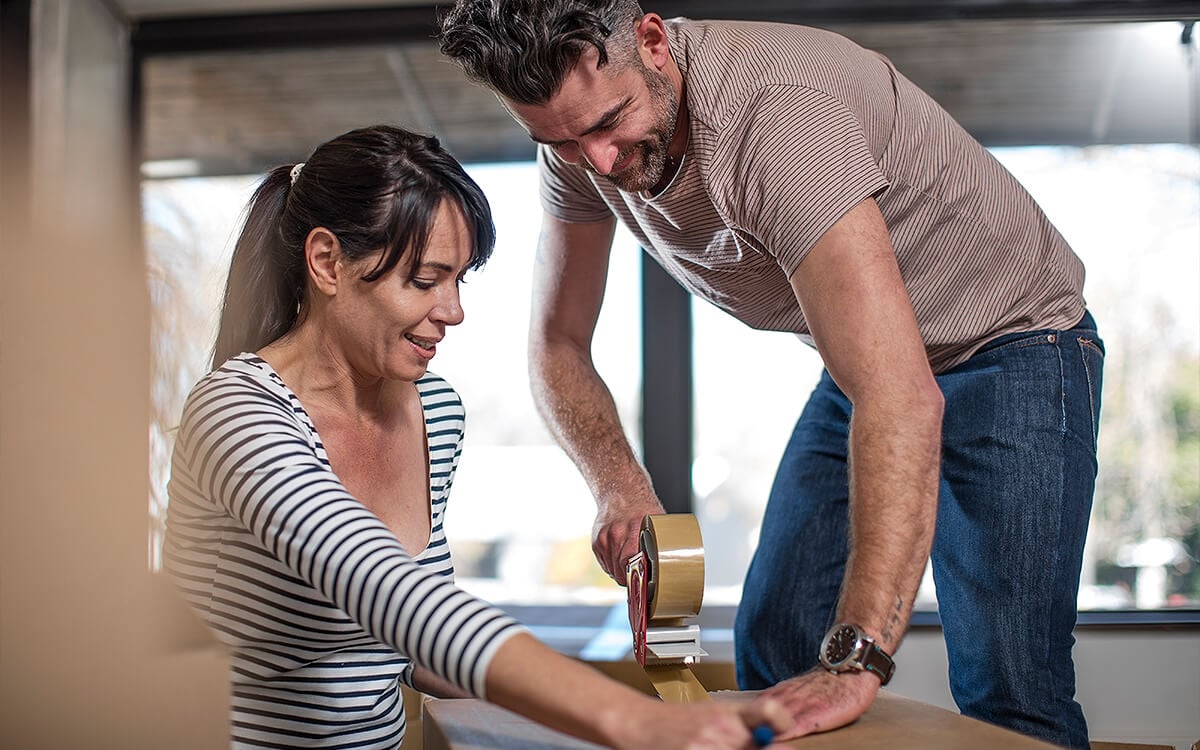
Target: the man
pixel 802 184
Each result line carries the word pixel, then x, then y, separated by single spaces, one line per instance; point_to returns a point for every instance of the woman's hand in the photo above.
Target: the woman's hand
pixel 709 725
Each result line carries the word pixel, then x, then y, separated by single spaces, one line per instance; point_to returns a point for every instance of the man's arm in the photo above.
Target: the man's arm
pixel 862 321
pixel 568 288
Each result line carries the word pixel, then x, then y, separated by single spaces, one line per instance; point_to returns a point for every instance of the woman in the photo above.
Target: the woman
pixel 313 465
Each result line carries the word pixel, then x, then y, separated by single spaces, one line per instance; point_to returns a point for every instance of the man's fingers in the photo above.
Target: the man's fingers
pixel 613 543
pixel 615 535
pixel 819 701
pixel 627 551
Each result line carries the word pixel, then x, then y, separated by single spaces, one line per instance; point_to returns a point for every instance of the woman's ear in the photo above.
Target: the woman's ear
pixel 322 251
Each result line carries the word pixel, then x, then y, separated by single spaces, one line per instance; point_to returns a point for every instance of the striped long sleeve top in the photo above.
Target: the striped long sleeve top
pixel 322 608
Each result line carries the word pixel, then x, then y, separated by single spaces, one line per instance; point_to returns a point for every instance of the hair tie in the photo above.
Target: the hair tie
pixel 296 171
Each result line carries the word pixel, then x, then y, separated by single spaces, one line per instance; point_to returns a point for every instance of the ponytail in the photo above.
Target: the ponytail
pixel 266 278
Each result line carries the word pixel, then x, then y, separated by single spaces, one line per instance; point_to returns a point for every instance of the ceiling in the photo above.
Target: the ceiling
pixel 148 9
pixel 287 80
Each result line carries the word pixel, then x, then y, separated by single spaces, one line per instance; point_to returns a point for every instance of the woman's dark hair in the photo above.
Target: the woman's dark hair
pixel 523 49
pixel 375 188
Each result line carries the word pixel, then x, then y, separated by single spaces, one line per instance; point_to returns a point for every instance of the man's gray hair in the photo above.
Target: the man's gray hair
pixel 524 49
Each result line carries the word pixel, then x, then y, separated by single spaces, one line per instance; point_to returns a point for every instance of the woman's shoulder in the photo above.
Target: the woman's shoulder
pixel 242 379
pixel 438 396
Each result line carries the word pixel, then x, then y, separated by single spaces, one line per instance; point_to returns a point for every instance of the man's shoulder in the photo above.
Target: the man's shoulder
pixel 755 45
pixel 728 65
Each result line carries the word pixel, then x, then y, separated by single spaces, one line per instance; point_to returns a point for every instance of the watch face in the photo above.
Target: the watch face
pixel 840 645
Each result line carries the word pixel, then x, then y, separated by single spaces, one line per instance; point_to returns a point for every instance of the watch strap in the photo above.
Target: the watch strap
pixel 877 661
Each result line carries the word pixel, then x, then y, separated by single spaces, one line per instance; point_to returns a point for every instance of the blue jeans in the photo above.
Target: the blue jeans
pixel 1018 471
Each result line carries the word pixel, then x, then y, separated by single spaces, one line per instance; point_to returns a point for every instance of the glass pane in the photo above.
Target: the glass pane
pixel 520 516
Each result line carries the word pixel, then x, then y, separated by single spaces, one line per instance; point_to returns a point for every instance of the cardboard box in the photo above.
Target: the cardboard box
pixel 893 722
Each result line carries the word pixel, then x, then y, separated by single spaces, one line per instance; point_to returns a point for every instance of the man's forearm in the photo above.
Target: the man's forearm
pixel 894 470
pixel 579 411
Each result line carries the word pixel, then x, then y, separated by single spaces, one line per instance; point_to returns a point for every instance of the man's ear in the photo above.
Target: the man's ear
pixel 652 40
pixel 322 251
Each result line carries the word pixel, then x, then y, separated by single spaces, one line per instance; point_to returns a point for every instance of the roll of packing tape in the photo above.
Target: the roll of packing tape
pixel 675 556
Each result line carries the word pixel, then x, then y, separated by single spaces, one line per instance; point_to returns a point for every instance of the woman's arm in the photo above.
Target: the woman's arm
pixel 531 679
pixel 244 451
pixel 430 684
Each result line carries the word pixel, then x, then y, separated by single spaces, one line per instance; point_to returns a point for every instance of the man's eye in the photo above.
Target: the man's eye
pixel 422 284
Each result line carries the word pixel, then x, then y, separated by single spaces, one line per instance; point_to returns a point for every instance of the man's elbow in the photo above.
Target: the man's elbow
pixel 551 352
pixel 929 406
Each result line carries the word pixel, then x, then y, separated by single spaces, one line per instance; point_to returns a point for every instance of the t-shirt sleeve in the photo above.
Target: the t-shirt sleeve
pixel 798 160
pixel 566 191
pixel 246 452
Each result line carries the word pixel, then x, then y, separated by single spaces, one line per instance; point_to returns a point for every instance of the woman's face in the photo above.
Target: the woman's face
pixel 390 327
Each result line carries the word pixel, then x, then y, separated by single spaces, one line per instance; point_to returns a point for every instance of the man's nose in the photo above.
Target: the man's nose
pixel 601 155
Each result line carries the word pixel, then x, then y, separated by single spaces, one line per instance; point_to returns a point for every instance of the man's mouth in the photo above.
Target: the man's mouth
pixel 623 161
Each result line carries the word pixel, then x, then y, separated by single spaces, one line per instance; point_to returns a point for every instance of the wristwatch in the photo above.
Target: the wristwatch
pixel 847 648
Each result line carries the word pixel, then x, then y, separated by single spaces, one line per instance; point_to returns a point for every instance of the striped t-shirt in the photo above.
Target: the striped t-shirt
pixel 318 601
pixel 790 128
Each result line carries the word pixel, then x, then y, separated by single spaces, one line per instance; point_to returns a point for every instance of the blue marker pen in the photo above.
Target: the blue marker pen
pixel 763 735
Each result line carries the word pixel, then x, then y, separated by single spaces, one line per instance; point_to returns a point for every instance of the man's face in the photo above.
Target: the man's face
pixel 614 122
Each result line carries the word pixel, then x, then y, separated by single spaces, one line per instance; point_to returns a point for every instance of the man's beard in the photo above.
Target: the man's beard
pixel 647 170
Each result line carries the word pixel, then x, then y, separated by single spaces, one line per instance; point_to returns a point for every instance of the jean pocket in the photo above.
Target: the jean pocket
pixel 1091 352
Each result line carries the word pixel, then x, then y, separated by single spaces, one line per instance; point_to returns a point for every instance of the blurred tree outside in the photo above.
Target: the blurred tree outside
pixel 1146 515
pixel 187 225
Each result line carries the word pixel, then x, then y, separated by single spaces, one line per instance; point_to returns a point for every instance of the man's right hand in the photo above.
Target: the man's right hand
pixel 616 531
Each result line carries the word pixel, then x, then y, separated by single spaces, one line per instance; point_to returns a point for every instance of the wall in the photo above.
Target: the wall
pixel 1133 686
pixel 80 665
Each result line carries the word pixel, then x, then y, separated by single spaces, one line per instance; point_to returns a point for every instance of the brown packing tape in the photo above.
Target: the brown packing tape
pixel 675 551
pixel 675 683
pixel 674 557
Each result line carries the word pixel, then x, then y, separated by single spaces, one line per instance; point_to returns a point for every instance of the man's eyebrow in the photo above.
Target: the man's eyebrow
pixel 600 123
pixel 437 266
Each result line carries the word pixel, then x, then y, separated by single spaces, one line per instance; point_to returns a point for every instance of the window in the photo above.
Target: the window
pixel 1130 211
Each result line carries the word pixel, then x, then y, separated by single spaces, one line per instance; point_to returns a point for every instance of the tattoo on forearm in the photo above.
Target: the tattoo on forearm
pixel 895 620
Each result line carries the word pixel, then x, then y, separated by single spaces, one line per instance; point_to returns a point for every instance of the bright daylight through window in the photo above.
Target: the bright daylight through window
pixel 520 517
